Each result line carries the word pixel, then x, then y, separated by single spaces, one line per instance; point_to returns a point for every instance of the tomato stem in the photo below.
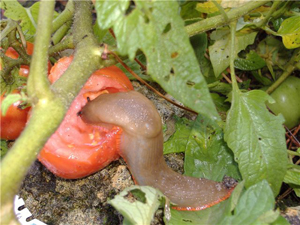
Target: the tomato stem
pixel 218 21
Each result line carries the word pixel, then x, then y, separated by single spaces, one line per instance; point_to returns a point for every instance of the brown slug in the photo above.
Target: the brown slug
pixel 141 145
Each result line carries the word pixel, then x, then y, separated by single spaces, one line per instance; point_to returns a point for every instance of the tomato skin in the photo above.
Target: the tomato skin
pixel 14 121
pixel 287 97
pixel 78 149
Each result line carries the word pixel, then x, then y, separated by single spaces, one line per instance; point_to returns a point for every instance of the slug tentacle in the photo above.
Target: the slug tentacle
pixel 142 148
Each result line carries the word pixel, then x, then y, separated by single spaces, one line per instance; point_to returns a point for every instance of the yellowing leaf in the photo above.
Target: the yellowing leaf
pixel 207 7
pixel 233 4
pixel 290 32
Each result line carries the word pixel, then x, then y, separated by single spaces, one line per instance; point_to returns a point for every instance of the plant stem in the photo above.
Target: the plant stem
pixel 269 15
pixel 217 21
pixel 232 54
pixel 61 32
pixel 87 55
pixel 38 85
pixel 67 43
pixel 65 16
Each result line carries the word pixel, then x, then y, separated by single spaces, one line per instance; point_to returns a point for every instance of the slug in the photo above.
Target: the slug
pixel 141 146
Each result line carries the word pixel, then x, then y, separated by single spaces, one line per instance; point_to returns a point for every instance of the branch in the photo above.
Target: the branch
pixel 218 21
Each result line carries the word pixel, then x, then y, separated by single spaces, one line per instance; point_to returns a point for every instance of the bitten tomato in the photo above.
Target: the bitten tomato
pixel 78 149
pixel 14 121
pixel 287 97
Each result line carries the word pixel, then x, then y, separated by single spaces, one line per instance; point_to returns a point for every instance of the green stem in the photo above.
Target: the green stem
pixel 65 16
pixel 232 54
pixel 293 153
pixel 290 67
pixel 66 43
pixel 87 48
pixel 221 10
pixel 218 21
pixel 269 15
pixel 38 85
pixel 21 50
pixel 61 32
pixel 11 25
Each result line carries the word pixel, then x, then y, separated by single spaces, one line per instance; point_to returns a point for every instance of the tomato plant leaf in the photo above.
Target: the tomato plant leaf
pixel 252 62
pixel 28 16
pixel 137 209
pixel 290 32
pixel 157 29
pixel 207 154
pixel 255 206
pixel 257 139
pixel 219 51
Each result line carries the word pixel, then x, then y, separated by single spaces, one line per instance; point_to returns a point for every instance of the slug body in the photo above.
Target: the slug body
pixel 141 146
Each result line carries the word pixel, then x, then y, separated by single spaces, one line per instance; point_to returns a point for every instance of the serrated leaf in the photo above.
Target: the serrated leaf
pixel 257 139
pixel 28 17
pixel 219 51
pixel 254 206
pixel 177 143
pixel 8 101
pixel 135 211
pixel 207 154
pixel 252 62
pixel 290 32
pixel 156 28
pixel 14 10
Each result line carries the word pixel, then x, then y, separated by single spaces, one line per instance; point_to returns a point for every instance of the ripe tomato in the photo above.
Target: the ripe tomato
pixel 287 97
pixel 14 120
pixel 78 149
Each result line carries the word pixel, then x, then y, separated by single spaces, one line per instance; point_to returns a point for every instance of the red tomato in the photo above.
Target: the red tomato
pixel 78 149
pixel 13 122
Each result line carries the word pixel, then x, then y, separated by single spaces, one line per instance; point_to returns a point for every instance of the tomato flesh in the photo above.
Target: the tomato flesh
pixel 78 149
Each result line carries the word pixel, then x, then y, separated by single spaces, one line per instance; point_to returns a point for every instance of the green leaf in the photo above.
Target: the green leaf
pixel 8 101
pixel 254 207
pixel 139 209
pixel 252 62
pixel 290 32
pixel 207 154
pixel 211 215
pixel 219 51
pixel 178 141
pixel 257 139
pixel 292 176
pixel 14 10
pixel 156 28
pixel 274 53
